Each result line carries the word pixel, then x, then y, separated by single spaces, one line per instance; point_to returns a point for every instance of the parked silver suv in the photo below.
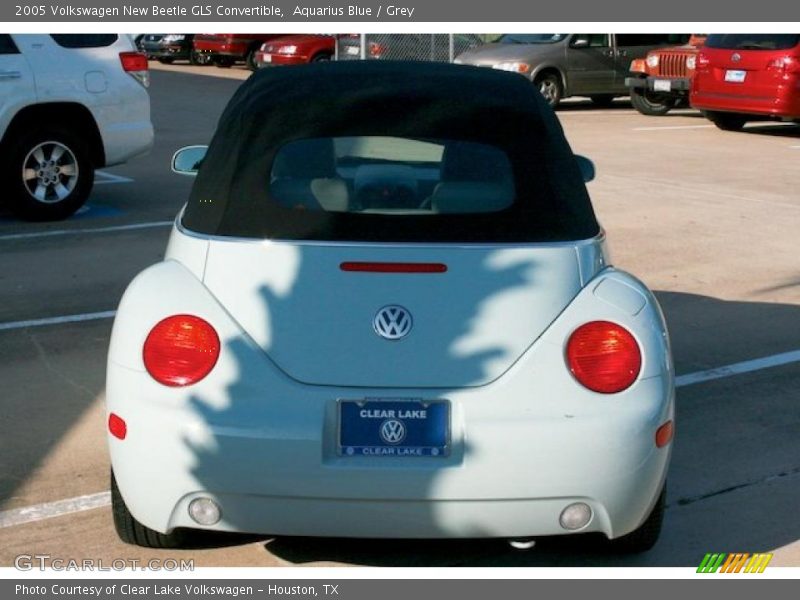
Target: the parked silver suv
pixel 69 104
pixel 571 64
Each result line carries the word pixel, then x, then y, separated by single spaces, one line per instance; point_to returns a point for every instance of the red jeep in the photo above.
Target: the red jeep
pixel 661 81
pixel 224 49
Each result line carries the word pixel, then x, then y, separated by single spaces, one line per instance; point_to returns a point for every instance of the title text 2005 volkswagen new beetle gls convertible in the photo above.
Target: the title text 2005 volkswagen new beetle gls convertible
pixel 387 311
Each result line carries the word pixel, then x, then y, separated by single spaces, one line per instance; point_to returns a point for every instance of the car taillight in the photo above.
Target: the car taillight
pixel 181 350
pixel 702 61
pixel 376 50
pixel 784 65
pixel 135 65
pixel 604 357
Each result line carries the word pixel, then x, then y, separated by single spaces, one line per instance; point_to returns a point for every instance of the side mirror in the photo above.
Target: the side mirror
pixel 187 161
pixel 580 42
pixel 587 168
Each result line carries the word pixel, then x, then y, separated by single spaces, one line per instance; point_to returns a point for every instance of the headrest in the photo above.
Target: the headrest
pixel 467 161
pixel 306 159
pixel 312 194
pixel 470 197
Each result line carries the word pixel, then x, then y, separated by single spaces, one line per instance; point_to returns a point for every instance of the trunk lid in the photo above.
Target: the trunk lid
pixel 751 65
pixel 315 320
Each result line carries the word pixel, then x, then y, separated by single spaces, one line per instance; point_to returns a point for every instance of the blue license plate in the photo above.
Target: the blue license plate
pixel 394 428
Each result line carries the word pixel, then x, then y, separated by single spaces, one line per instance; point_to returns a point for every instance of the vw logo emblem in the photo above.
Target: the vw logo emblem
pixel 392 322
pixel 736 57
pixel 393 431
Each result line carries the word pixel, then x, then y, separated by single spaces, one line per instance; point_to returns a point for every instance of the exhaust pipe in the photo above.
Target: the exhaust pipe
pixel 522 543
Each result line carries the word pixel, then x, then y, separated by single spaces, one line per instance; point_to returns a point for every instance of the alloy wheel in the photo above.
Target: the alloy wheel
pixel 50 172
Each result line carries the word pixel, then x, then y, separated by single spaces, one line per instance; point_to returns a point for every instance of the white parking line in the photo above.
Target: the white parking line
pixel 48 510
pixel 746 366
pixel 109 178
pixel 96 316
pixel 56 232
pixel 666 127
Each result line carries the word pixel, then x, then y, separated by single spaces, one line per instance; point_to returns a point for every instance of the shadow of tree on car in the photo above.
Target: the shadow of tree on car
pixel 264 412
pixel 734 468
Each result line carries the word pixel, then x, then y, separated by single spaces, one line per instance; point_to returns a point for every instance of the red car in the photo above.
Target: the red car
pixel 748 77
pixel 296 50
pixel 224 49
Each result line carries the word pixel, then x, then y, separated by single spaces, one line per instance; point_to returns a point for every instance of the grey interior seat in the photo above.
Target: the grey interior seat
pixel 475 178
pixel 304 177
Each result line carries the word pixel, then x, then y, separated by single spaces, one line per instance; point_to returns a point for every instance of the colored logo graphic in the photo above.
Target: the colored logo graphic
pixel 734 563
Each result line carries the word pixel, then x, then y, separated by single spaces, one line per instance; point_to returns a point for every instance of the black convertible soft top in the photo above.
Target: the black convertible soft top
pixel 274 106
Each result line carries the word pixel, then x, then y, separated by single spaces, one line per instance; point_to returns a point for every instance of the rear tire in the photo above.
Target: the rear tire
pixel 132 532
pixel 166 60
pixel 223 62
pixel 200 59
pixel 321 58
pixel 250 60
pixel 645 537
pixel 549 86
pixel 727 121
pixel 651 104
pixel 49 174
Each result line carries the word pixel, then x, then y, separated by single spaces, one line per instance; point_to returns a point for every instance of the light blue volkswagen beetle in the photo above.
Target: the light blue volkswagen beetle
pixel 387 311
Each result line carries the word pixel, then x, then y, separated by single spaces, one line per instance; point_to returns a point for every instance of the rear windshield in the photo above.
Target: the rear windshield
pixel 531 38
pixel 363 151
pixel 753 41
pixel 391 176
pixel 84 40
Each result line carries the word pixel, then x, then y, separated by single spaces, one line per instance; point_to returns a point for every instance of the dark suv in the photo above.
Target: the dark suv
pixel 571 64
pixel 169 47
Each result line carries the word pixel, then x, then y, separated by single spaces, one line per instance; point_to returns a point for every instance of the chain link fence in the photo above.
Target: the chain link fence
pixel 437 47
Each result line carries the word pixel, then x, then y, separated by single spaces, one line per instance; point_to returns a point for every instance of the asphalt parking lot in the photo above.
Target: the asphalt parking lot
pixel 708 219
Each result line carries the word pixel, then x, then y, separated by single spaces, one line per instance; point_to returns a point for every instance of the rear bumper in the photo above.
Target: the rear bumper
pixel 228 48
pixel 785 104
pixel 422 519
pixel 269 60
pixel 171 51
pixel 679 85
pixel 505 477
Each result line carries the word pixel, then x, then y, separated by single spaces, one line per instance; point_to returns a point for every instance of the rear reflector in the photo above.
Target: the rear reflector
pixel 664 434
pixel 604 357
pixel 135 65
pixel 181 350
pixel 383 267
pixel 133 61
pixel 117 426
